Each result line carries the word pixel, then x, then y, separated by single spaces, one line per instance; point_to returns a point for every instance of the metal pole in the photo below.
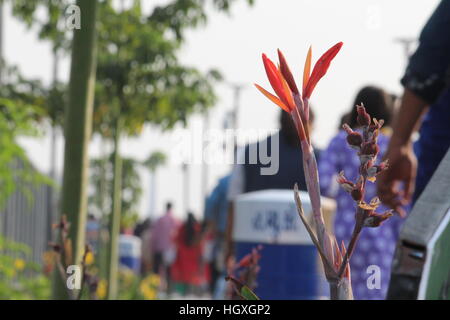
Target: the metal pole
pixel 51 199
pixel 407 46
pixel 1 42
pixel 185 168
pixel 236 104
pixel 204 164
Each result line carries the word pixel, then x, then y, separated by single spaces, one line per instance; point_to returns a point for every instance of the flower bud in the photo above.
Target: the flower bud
pixel 357 192
pixel 355 139
pixel 377 169
pixel 370 148
pixel 363 117
pixel 345 184
pixel 377 124
pixel 374 220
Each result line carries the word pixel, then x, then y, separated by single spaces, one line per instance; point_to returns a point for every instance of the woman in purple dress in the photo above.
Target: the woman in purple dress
pixel 370 264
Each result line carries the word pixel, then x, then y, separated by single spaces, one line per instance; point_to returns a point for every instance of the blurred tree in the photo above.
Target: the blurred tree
pixel 21 108
pixel 139 78
pixel 77 131
pixel 50 25
pixel 131 193
pixel 155 160
pixel 51 29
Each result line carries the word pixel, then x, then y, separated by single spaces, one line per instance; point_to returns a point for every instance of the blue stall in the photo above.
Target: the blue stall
pixel 290 266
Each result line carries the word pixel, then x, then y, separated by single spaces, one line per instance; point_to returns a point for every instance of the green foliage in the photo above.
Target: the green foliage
pixel 155 160
pixel 101 175
pixel 248 294
pixel 52 28
pixel 138 73
pixel 21 108
pixel 19 278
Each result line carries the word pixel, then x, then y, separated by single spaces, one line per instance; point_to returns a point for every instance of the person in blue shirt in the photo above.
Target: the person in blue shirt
pixel 426 96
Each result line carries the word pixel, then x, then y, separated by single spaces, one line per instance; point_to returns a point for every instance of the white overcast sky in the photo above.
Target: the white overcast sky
pixel 233 44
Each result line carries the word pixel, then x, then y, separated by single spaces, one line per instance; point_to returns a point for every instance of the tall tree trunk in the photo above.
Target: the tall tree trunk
pixel 77 130
pixel 152 213
pixel 114 221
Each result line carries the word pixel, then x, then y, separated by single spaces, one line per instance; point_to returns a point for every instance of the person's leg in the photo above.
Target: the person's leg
pixel 157 261
pixel 215 273
pixel 168 279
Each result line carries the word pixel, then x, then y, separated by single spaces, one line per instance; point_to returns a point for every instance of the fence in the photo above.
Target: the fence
pixel 27 219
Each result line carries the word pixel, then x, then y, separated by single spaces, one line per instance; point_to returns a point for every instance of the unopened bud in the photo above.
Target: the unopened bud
pixel 375 219
pixel 363 117
pixel 345 184
pixel 357 193
pixel 377 124
pixel 355 139
pixel 370 148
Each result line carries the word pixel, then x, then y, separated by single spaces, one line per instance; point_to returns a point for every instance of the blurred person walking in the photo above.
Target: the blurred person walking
pixel 163 246
pixel 144 232
pixel 93 232
pixel 189 271
pixel 376 245
pixel 247 177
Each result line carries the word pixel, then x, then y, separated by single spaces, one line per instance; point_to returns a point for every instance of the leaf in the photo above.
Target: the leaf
pixel 248 294
pixel 327 264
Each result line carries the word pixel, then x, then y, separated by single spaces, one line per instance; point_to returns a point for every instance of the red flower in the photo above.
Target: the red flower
pixel 282 80
pixel 246 261
pixel 279 85
pixel 320 69
pixel 287 95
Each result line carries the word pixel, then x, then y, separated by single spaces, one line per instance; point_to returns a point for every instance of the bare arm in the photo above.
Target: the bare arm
pixel 402 161
pixel 407 119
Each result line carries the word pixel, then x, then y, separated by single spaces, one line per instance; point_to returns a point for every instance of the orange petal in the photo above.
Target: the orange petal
pixel 307 69
pixel 272 98
pixel 287 91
